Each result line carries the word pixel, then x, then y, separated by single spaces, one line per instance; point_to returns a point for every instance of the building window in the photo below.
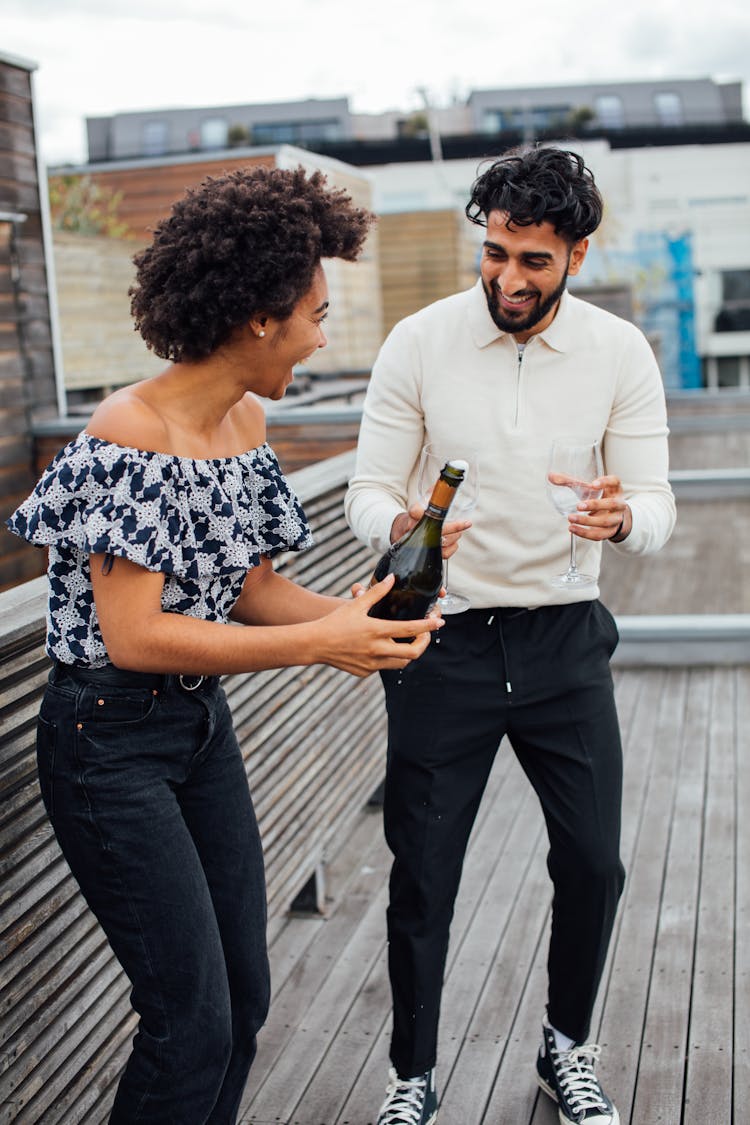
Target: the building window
pixel 734 315
pixel 296 132
pixel 329 130
pixel 609 111
pixel 735 285
pixel 493 121
pixel 527 119
pixel 728 371
pixel 669 108
pixel 214 132
pixel 274 133
pixel 154 138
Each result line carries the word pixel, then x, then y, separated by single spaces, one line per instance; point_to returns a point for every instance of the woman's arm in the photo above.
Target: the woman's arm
pixel 268 598
pixel 140 636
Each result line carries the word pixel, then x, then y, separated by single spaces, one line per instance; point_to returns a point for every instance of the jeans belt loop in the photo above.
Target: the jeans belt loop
pixel 190 687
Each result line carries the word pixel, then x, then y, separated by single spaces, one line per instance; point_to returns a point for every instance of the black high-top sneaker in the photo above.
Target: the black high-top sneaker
pixel 568 1077
pixel 409 1101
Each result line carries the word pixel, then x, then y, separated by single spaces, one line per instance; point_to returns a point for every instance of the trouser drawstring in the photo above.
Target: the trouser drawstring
pixel 490 619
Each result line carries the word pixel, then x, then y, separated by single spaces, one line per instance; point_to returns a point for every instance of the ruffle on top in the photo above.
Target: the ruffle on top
pixel 203 523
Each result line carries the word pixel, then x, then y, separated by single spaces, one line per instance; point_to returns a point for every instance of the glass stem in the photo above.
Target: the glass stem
pixel 572 569
pixel 445 575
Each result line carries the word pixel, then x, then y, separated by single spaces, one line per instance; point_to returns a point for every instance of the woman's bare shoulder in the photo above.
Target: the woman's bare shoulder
pixel 127 418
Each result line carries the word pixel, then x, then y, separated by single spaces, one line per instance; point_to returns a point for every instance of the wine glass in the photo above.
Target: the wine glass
pixel 433 458
pixel 572 466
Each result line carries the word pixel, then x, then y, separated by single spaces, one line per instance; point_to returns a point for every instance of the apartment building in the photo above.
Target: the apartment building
pixel 329 125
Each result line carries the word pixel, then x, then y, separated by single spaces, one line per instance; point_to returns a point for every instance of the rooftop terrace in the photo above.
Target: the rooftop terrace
pixel 672 1011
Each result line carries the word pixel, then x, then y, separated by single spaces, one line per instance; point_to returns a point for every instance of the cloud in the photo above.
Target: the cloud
pixel 104 56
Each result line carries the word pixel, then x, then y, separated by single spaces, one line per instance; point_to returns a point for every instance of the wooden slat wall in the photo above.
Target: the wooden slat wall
pixel 421 260
pixel 100 349
pixel 27 383
pixel 313 740
pixel 148 191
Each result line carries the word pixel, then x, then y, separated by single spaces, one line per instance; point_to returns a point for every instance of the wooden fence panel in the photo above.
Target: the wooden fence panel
pixel 27 386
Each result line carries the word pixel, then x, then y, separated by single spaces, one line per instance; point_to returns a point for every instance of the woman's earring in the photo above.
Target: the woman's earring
pixel 262 333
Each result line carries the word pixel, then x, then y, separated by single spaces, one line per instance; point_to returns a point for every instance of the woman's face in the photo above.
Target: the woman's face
pixel 295 339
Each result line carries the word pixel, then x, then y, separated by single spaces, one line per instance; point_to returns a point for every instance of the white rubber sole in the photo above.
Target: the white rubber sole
pixel 566 1120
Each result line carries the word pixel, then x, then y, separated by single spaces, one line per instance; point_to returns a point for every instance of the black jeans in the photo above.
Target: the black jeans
pixel 146 790
pixel 542 677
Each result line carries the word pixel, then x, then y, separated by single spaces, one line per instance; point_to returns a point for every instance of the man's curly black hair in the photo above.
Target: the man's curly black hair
pixel 537 185
pixel 236 246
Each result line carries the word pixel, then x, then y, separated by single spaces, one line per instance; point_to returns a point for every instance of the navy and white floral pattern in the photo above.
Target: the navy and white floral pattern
pixel 202 523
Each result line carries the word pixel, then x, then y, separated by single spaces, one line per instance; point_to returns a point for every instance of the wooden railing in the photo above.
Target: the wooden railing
pixel 314 745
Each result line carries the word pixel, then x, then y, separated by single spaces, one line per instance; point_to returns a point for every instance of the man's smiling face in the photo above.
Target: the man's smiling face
pixel 524 273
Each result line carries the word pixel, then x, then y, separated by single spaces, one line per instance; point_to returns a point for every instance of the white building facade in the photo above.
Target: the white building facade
pixel 676 231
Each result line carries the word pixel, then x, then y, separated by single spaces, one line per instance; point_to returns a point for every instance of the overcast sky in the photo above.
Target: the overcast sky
pixel 106 56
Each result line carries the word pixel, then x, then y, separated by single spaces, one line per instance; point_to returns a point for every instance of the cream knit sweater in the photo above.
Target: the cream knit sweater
pixel 448 372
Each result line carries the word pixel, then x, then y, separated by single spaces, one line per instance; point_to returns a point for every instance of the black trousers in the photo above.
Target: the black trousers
pixel 542 677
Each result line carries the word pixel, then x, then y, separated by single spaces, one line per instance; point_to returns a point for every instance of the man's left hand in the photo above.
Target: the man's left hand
pixel 600 519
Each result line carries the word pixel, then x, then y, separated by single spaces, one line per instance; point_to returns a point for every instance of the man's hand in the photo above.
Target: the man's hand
pixel 452 530
pixel 600 519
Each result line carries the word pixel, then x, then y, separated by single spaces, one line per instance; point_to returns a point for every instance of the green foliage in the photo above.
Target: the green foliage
pixel 78 204
pixel 415 125
pixel 238 135
pixel 581 116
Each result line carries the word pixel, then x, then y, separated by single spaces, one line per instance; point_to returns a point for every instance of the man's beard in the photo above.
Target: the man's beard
pixel 512 324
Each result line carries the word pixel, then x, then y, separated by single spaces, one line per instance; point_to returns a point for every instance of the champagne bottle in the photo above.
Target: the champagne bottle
pixel 416 559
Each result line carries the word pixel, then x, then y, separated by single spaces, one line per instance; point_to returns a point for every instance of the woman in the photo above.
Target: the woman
pixel 162 518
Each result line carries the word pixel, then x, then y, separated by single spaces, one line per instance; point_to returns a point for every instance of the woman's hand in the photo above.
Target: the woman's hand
pixel 359 644
pixel 602 519
pixel 141 636
pixel 452 529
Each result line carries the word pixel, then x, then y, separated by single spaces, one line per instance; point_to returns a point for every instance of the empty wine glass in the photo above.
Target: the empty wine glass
pixel 573 465
pixel 434 457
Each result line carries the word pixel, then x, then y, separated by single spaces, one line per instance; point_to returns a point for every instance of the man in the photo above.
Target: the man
pixel 511 365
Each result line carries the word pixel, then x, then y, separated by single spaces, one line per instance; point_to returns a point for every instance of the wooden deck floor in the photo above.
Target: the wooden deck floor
pixel 673 1007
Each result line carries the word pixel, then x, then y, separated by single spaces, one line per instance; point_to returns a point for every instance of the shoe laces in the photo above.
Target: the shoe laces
pixel 575 1074
pixel 404 1100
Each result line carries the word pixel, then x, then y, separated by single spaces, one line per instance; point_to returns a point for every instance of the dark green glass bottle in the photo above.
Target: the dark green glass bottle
pixel 417 558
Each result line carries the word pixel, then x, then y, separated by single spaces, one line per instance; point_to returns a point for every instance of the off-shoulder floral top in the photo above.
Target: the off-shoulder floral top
pixel 202 523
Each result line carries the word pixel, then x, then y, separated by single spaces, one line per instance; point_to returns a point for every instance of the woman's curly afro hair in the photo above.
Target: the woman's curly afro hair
pixel 537 185
pixel 236 246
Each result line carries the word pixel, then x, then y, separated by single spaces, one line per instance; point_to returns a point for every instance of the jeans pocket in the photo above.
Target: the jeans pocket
pixel 46 744
pixel 104 706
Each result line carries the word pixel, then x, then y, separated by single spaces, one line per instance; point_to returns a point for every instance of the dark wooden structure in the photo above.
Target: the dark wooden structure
pixel 27 371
